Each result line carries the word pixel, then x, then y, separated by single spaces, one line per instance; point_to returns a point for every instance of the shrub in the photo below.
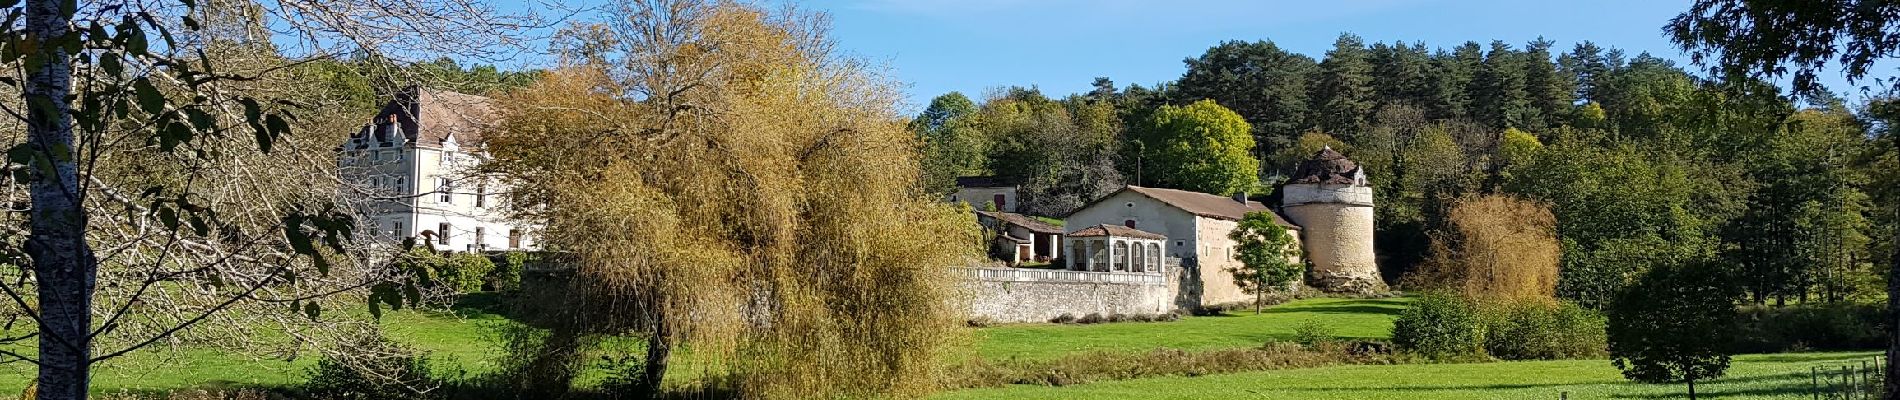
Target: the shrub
pixel 507 273
pixel 979 322
pixel 1311 333
pixel 1168 317
pixel 1063 319
pixel 1117 317
pixel 464 272
pixel 1538 330
pixel 458 272
pixel 1439 326
pixel 1494 246
pixel 382 370
pixel 1092 318
pixel 1822 326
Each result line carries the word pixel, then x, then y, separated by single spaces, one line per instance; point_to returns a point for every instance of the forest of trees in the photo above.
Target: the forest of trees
pixel 1644 163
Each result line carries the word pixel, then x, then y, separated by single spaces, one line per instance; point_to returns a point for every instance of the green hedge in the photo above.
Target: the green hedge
pixel 1449 327
pixel 1818 326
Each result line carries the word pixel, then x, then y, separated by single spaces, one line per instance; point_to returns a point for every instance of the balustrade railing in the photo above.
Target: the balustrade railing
pixel 1056 275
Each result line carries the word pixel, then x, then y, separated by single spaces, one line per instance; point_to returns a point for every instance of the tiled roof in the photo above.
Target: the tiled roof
pixel 1208 205
pixel 1327 167
pixel 429 117
pixel 983 181
pixel 1117 231
pixel 1013 238
pixel 1027 222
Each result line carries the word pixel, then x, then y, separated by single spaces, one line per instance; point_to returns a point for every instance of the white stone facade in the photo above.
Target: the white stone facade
pixel 421 181
pixel 977 197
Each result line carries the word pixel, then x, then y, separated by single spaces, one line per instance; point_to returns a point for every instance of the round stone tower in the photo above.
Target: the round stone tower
pixel 1329 199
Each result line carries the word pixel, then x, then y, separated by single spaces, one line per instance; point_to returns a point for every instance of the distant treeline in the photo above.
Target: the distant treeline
pixel 1643 162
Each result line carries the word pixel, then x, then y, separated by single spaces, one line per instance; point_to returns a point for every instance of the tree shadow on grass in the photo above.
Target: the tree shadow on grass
pixel 1789 384
pixel 1436 388
pixel 1366 309
pixel 213 388
pixel 1810 357
pixel 1703 393
pixel 482 304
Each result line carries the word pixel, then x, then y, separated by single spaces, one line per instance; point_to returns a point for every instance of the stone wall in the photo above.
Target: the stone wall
pixel 1013 295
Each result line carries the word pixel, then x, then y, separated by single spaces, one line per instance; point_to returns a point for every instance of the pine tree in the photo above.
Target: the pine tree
pixel 1343 97
pixel 1498 97
pixel 1399 75
pixel 1262 82
pixel 1589 65
pixel 1451 78
pixel 1551 93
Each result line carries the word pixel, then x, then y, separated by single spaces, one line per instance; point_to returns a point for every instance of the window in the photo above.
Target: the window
pixel 402 185
pixel 442 233
pixel 1130 204
pixel 999 199
pixel 514 238
pixel 442 193
pixel 1129 223
pixel 376 156
pixel 481 194
pixel 395 229
pixel 481 241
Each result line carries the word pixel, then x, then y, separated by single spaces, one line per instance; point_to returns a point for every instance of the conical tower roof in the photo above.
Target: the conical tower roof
pixel 1328 166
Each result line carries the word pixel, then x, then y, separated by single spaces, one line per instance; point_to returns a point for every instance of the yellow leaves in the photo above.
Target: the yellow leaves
pixel 1496 246
pixel 753 193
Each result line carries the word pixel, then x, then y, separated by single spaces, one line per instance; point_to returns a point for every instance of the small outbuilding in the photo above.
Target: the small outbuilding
pixel 1021 238
pixel 982 191
pixel 1115 248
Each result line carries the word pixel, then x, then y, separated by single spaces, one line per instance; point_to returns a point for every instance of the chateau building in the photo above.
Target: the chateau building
pixel 415 162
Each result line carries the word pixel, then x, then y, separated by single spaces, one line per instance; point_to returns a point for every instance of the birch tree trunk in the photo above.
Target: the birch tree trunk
pixel 63 263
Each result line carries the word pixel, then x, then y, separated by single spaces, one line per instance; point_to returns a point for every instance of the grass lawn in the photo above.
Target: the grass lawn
pixel 451 338
pixel 459 340
pixel 1351 318
pixel 1768 376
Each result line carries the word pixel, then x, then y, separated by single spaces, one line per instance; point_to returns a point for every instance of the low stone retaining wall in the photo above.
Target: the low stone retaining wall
pixel 1012 295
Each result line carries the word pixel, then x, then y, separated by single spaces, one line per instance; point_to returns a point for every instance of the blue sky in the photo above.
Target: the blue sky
pixel 1061 45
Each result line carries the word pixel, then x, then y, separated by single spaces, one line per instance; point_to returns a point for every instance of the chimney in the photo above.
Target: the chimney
pixel 1240 197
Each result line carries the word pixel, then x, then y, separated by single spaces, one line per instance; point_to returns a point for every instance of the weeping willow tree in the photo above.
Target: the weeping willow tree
pixel 726 186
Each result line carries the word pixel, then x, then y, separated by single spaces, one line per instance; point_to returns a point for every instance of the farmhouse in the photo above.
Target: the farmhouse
pixel 1193 226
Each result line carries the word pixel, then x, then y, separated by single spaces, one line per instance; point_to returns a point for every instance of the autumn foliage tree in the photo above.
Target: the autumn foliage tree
pixel 1496 246
pixel 723 182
